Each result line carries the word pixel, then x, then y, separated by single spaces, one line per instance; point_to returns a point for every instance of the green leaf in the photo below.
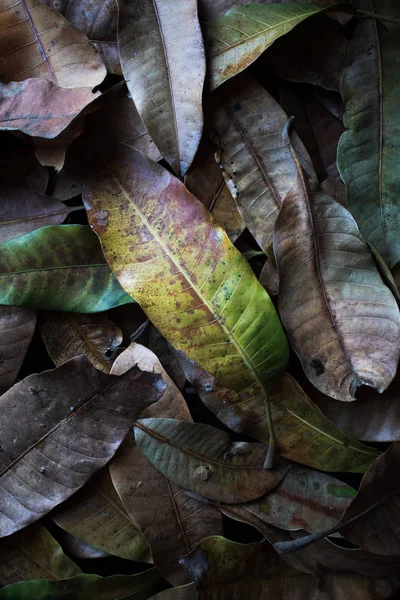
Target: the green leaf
pixel 368 151
pixel 203 460
pixel 59 267
pixel 197 289
pixel 239 37
pixel 82 587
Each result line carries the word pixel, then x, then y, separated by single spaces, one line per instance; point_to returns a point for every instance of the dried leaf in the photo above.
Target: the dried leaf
pixel 39 42
pixel 34 554
pixel 342 320
pixel 208 287
pixel 367 153
pixel 55 436
pixel 183 592
pixel 67 335
pixel 205 181
pixel 239 37
pixel 79 549
pixel 97 516
pixel 171 523
pixel 17 326
pixel 162 59
pixel 304 499
pixel 59 267
pixel 258 165
pixel 22 211
pixel 40 108
pixel 203 460
pixel 52 152
pixel 303 433
pixel 84 586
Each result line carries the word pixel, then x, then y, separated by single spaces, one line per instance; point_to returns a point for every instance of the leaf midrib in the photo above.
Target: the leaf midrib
pixel 212 311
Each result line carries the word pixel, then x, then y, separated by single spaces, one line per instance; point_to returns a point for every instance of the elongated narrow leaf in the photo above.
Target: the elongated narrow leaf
pixel 22 211
pixel 59 267
pixel 172 523
pixel 17 326
pixel 39 42
pixel 257 162
pixel 96 515
pixel 197 289
pixel 305 499
pixel 202 459
pixel 343 322
pixel 78 549
pixel 39 108
pixel 34 554
pixel 55 435
pixel 303 433
pixel 239 37
pixel 82 587
pixel 368 151
pixel 67 335
pixel 163 62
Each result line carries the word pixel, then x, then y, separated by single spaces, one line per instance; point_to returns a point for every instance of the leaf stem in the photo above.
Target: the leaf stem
pixel 372 15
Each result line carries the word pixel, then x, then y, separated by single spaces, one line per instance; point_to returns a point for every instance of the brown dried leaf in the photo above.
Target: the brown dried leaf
pixel 67 335
pixel 56 435
pixel 17 326
pixel 39 42
pixel 40 108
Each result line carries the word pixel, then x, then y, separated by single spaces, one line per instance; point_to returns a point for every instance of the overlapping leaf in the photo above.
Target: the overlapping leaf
pixel 368 150
pixel 17 326
pixel 210 304
pixel 39 42
pixel 59 267
pixel 239 37
pixel 162 59
pixel 342 320
pixel 56 436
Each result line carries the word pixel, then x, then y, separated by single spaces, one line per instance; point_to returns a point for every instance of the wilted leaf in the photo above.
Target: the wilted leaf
pixel 202 459
pixel 205 181
pixel 167 357
pixel 342 320
pixel 39 42
pixel 315 52
pixel 17 326
pixel 162 59
pixel 40 108
pixel 239 37
pixel 67 335
pixel 257 162
pixel 98 20
pixel 52 152
pixel 210 304
pixel 317 127
pixel 82 587
pixel 22 211
pixel 96 515
pixel 34 554
pixel 304 499
pixel 59 267
pixel 172 523
pixel 56 435
pixel 303 433
pixel 368 151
